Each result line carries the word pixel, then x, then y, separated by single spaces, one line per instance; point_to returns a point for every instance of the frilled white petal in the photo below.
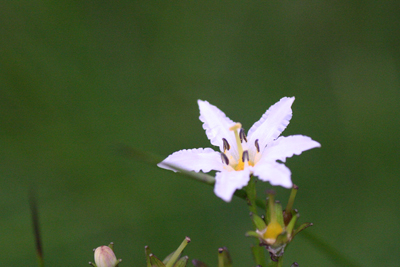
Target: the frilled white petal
pixel 193 160
pixel 273 172
pixel 286 147
pixel 216 124
pixel 272 123
pixel 227 182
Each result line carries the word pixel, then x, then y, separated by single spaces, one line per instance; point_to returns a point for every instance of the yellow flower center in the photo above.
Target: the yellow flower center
pixel 240 166
pixel 243 160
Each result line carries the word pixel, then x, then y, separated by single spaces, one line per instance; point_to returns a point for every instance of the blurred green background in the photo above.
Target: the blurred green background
pixel 79 78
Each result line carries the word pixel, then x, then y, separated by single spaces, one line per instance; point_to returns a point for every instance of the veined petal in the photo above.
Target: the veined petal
pixel 193 160
pixel 272 123
pixel 226 183
pixel 273 172
pixel 216 124
pixel 286 147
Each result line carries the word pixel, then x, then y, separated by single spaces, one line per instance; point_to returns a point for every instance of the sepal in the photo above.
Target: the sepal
pixel 171 260
pixel 224 258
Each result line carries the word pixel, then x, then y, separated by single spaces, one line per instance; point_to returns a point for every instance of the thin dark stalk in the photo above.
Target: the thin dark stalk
pixel 36 229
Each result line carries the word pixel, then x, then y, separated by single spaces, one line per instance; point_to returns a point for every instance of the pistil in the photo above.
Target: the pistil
pixel 235 129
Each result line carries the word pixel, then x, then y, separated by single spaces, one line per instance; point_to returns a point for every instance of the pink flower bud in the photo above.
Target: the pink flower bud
pixel 104 257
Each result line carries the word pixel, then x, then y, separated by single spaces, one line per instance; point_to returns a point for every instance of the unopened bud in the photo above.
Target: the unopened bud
pixel 104 257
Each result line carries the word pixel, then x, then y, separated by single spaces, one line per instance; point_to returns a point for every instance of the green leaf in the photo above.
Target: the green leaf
pixel 133 153
pixel 224 259
pixel 182 262
pixel 197 263
pixel 259 222
pixel 259 255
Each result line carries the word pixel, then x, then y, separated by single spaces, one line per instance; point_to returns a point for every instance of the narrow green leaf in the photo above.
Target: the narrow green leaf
pixel 182 262
pixel 197 263
pixel 259 222
pixel 224 259
pixel 133 153
pixel 259 255
pixel 334 254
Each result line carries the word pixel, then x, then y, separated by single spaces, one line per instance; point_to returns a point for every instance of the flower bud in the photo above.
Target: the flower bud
pixel 104 257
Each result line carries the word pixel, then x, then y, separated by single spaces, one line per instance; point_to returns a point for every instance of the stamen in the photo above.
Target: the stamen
pixel 245 156
pixel 226 144
pixel 242 135
pixel 257 145
pixel 224 159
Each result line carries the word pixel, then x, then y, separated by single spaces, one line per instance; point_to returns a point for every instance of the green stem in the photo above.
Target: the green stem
pixel 251 196
pixel 280 262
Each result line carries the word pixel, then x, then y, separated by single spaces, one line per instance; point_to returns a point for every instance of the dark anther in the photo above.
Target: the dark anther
pixel 245 156
pixel 242 135
pixel 225 159
pixel 257 145
pixel 226 144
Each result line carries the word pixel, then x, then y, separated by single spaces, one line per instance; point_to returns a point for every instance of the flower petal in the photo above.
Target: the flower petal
pixel 226 183
pixel 273 172
pixel 272 123
pixel 193 160
pixel 216 124
pixel 286 147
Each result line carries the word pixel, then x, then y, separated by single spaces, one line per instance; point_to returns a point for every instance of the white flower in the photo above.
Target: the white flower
pixel 242 156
